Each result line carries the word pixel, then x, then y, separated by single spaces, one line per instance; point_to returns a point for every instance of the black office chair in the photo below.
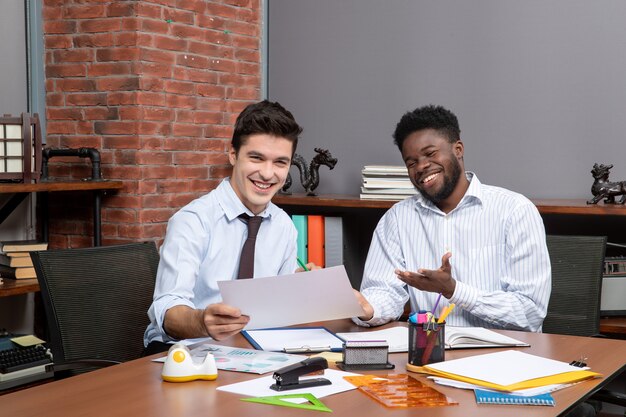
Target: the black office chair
pixel 96 302
pixel 574 308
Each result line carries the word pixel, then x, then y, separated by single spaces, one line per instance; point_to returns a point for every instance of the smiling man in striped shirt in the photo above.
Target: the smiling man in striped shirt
pixel 479 246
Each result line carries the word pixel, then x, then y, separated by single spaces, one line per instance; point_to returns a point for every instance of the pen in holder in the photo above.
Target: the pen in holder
pixel 426 343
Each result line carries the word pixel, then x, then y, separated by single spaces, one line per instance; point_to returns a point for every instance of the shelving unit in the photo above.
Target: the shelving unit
pixel 360 217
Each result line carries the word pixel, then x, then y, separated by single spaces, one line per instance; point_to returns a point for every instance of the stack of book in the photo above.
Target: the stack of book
pixel 15 262
pixel 386 182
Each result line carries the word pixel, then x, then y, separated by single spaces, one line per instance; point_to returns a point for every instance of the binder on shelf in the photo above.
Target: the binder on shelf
pixel 301 223
pixel 316 239
pixel 333 240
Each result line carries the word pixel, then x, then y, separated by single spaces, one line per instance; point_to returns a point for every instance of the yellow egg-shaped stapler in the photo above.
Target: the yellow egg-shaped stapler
pixel 180 366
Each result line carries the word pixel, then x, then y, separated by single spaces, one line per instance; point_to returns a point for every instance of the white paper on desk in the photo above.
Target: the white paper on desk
pixel 260 387
pixel 304 297
pixel 522 392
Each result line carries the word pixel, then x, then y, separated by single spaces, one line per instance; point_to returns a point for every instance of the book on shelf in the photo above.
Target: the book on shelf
pixel 300 222
pixel 17 273
pixel 387 183
pixel 22 245
pixel 315 231
pixel 405 191
pixel 392 197
pixel 15 261
pixel 477 337
pixel 333 240
pixel 384 170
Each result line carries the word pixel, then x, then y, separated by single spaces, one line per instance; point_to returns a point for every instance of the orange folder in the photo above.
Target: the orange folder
pixel 316 239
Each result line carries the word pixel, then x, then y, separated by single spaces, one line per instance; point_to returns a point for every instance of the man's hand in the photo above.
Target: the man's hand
pixel 222 320
pixel 365 305
pixel 310 266
pixel 439 280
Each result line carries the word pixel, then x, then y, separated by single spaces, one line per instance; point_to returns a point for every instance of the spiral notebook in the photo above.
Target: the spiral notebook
pixel 492 397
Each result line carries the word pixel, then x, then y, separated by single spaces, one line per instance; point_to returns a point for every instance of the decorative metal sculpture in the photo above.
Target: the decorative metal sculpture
pixel 309 176
pixel 603 188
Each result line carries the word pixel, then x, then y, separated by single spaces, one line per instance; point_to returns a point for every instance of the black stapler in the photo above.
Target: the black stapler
pixel 289 377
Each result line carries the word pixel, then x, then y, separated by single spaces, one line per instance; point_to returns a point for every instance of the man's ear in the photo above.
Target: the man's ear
pixel 232 155
pixel 458 149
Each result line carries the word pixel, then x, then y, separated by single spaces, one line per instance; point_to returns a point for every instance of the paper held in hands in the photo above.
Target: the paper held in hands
pixel 319 295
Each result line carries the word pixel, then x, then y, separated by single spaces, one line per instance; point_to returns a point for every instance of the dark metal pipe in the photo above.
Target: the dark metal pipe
pixel 90 153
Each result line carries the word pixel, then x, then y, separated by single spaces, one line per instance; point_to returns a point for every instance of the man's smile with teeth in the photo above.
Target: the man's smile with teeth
pixel 262 184
pixel 429 178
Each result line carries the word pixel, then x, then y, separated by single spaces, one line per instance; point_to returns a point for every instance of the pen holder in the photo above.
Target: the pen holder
pixel 426 343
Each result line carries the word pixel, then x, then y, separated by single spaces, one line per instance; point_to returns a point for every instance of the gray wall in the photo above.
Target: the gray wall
pixel 539 87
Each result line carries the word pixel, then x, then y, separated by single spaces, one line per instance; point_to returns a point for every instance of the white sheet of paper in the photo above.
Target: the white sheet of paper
pixel 304 297
pixel 260 387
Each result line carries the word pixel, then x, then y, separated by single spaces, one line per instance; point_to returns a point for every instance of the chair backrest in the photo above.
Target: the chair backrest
pixel 96 299
pixel 577 267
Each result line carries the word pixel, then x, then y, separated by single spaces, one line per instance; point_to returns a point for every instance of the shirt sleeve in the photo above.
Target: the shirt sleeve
pixel 521 303
pixel 181 255
pixel 380 285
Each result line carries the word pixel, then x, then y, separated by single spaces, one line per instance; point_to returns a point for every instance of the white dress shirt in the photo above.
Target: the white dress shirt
pixel 202 246
pixel 499 259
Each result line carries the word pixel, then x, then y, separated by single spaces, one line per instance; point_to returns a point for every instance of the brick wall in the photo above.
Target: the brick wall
pixel 155 86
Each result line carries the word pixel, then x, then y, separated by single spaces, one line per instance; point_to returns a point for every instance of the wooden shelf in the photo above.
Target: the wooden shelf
pixel 545 206
pixel 44 186
pixel 18 286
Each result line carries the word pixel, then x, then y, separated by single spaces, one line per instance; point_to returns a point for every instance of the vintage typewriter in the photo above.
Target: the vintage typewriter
pixel 21 365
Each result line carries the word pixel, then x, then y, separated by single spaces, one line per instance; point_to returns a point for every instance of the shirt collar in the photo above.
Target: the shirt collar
pixel 232 205
pixel 474 194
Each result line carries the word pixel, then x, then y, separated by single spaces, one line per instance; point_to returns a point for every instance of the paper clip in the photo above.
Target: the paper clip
pixel 579 363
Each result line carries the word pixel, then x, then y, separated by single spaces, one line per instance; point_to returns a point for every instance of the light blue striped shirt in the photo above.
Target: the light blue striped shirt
pixel 203 245
pixel 499 259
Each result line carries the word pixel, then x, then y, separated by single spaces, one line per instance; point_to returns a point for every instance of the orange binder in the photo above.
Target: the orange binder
pixel 316 239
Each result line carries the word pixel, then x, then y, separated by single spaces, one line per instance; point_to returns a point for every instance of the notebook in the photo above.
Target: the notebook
pixel 492 397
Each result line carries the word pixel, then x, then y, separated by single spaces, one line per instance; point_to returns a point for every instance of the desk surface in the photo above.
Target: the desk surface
pixel 135 388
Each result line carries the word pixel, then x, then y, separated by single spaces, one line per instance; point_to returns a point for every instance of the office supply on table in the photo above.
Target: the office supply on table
pixel 294 339
pixel 368 355
pixel 477 337
pixel 179 366
pixel 493 397
pixel 396 337
pixel 242 360
pixel 446 312
pixel 508 370
pixel 260 387
pixel 288 378
pixel 302 264
pixel 304 297
pixel 529 392
pixel 400 391
pixel 426 343
pixel 310 402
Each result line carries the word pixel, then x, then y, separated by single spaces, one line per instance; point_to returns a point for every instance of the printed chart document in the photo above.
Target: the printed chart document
pixel 304 297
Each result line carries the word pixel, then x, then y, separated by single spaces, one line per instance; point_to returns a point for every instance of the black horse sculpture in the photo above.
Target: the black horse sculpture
pixel 603 188
pixel 309 176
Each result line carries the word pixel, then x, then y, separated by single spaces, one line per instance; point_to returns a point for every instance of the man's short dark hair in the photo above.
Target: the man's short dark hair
pixel 265 117
pixel 428 117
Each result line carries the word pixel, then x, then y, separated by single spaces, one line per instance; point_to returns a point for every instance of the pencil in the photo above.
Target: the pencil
pixel 302 265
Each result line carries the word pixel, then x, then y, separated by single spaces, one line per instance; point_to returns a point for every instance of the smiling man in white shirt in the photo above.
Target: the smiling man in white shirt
pixel 205 238
pixel 481 247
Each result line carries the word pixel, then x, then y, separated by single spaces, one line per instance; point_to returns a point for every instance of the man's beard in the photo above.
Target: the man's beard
pixel 449 184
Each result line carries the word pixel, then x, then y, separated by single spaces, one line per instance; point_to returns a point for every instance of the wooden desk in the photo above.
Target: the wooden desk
pixel 20 191
pixel 135 388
